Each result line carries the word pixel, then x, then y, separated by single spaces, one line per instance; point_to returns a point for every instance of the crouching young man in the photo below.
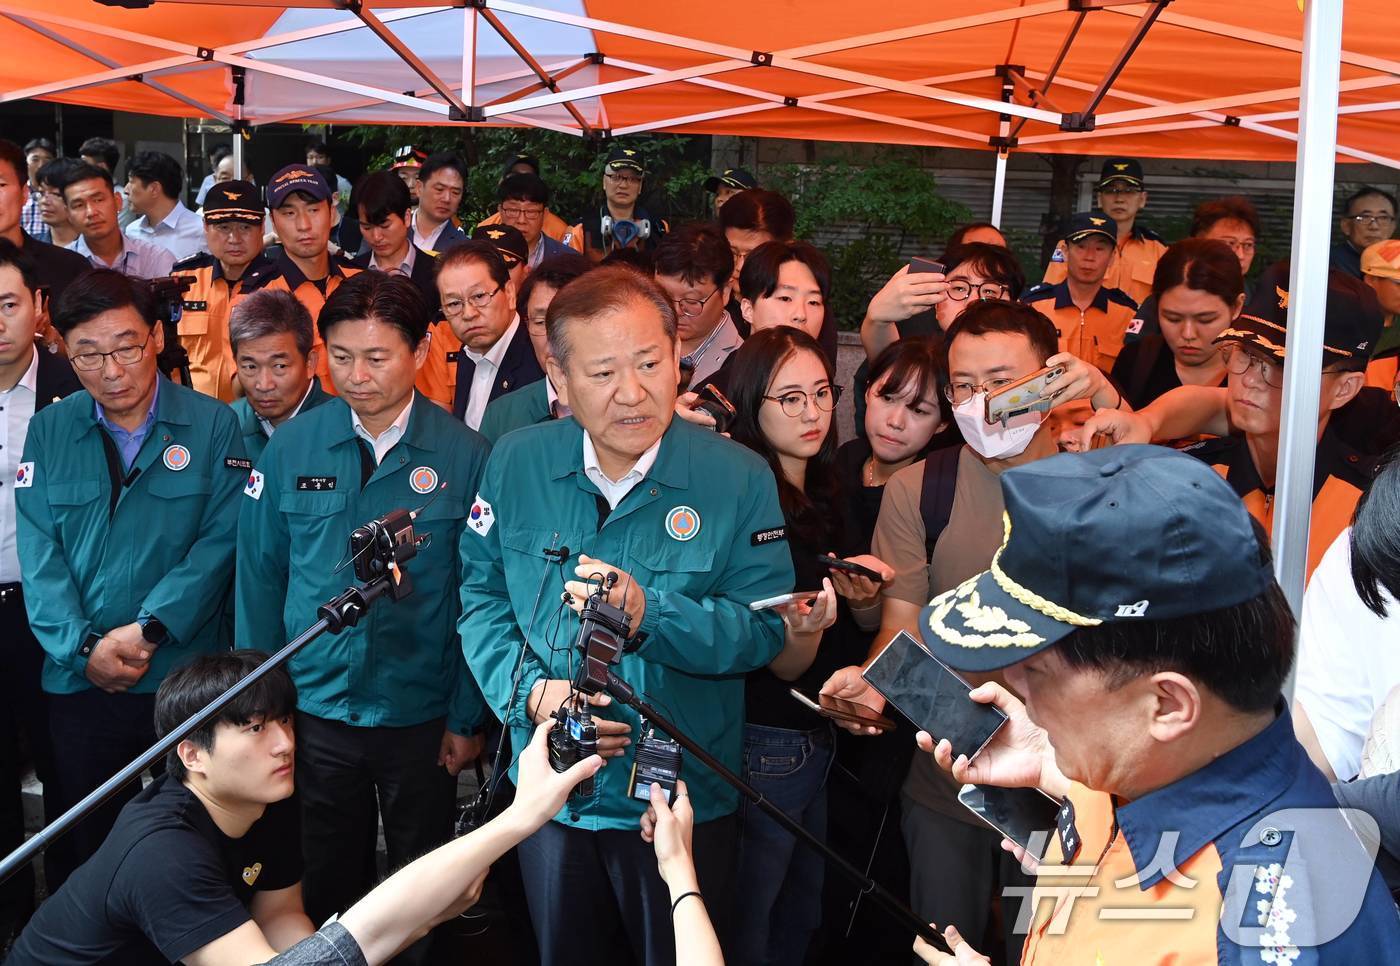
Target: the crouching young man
pixel 204 865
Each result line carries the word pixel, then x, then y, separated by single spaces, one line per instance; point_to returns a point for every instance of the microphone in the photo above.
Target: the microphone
pixel 561 554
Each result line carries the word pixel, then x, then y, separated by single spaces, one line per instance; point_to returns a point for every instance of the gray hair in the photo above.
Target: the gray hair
pixel 269 312
pixel 606 289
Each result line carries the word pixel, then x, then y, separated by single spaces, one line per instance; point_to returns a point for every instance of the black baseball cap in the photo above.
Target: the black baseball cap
pixel 529 159
pixel 1121 534
pixel 1349 331
pixel 297 177
pixel 731 178
pixel 1086 224
pixel 620 157
pixel 1121 169
pixel 507 240
pixel 233 201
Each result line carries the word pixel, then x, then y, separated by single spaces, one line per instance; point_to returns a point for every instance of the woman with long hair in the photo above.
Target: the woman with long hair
pixel 783 388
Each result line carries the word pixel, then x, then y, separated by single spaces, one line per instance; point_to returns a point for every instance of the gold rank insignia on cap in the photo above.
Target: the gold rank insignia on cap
pixel 1098 222
pixel 1282 296
pixel 628 151
pixel 1120 167
pixel 495 233
pixel 231 195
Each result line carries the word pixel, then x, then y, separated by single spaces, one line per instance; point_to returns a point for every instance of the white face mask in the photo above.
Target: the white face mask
pixel 994 442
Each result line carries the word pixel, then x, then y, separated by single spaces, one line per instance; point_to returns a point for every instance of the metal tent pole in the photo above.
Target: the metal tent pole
pixel 1307 293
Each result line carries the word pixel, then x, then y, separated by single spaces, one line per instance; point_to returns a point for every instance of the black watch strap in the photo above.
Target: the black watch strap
pixel 88 644
pixel 154 631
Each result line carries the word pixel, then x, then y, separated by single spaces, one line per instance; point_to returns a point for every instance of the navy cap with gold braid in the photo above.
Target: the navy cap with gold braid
pixel 1350 328
pixel 1127 533
pixel 233 201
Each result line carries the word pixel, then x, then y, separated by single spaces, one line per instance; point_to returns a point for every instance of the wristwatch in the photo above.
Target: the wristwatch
pixel 153 631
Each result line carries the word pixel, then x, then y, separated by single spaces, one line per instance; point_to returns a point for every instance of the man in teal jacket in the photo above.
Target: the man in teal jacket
pixel 387 710
pixel 273 341
pixel 690 523
pixel 126 498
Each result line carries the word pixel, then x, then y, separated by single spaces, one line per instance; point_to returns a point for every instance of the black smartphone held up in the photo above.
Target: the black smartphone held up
pixel 836 563
pixel 711 400
pixel 1026 816
pixel 921 265
pixel 841 710
pixel 932 695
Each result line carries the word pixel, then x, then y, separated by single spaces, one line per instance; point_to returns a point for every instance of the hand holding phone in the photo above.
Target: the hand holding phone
pixel 844 711
pixel 926 266
pixel 850 567
pixel 782 600
pixel 1026 816
pixel 932 695
pixel 1034 393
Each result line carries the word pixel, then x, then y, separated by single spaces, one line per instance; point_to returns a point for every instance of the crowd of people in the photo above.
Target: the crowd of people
pixel 611 405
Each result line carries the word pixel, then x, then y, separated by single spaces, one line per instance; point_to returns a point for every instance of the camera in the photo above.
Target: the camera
pixel 168 298
pixel 602 634
pixel 573 739
pixel 382 544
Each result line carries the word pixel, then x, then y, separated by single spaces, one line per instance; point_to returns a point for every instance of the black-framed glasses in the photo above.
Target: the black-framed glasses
pixel 1119 188
pixel 127 355
pixel 522 211
pixel 1239 360
pixel 794 403
pixel 960 291
pixel 622 179
pixel 479 300
pixel 1372 221
pixel 690 308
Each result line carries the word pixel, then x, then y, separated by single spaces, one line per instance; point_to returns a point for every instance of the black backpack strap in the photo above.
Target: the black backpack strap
pixel 1148 350
pixel 936 496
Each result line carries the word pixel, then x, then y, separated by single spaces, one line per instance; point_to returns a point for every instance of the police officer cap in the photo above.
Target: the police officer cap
pixel 526 159
pixel 233 201
pixel 1121 169
pixel 731 178
pixel 1087 224
pixel 507 240
pixel 1349 330
pixel 620 157
pixel 297 177
pixel 1073 555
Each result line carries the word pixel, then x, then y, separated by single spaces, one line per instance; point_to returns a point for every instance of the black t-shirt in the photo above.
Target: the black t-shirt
pixel 164 884
pixel 862 502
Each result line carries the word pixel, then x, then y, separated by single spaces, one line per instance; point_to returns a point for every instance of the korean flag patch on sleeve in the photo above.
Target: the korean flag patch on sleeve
pixel 255 485
pixel 24 476
pixel 481 517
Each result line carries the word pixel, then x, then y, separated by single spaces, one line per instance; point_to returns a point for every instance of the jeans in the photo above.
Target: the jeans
pixel 778 904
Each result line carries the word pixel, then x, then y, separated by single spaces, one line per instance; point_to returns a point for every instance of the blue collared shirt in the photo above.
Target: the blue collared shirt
pixel 129 442
pixel 181 232
pixel 139 259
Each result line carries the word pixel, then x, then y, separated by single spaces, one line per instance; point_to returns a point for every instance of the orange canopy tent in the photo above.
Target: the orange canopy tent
pixel 1248 79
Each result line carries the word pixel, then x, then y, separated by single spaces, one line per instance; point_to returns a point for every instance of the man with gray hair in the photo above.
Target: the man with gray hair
pixel 682 530
pixel 273 345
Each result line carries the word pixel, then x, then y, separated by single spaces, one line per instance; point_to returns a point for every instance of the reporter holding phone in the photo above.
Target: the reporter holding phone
pixel 782 386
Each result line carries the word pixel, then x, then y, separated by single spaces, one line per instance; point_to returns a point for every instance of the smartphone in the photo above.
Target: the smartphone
pixel 842 710
pixel 711 400
pixel 783 599
pixel 917 264
pixel 1023 396
pixel 932 695
pixel 836 563
pixel 1026 816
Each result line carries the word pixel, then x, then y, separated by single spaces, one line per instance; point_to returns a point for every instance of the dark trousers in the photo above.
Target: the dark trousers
pixel 95 734
pixel 347 777
pixel 24 739
pixel 597 897
pixel 957 870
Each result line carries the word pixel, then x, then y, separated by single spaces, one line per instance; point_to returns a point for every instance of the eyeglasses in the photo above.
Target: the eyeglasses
pixel 1239 360
pixel 1120 189
pixel 522 211
pixel 621 179
pixel 960 291
pixel 960 392
pixel 127 355
pixel 1238 246
pixel 453 307
pixel 690 308
pixel 795 403
pixel 1372 221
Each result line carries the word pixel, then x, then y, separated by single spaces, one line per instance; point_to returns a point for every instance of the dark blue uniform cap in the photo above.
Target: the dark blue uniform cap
pixel 620 157
pixel 1087 224
pixel 731 178
pixel 1350 328
pixel 1126 533
pixel 1121 169
pixel 297 177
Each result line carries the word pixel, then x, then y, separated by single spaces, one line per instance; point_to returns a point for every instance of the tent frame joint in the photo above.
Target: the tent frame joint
pixel 789 102
pixel 1002 143
pixel 1077 122
pixel 205 53
pixel 1232 120
pixel 1006 71
pixel 762 58
pixel 595 58
pixel 473 114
